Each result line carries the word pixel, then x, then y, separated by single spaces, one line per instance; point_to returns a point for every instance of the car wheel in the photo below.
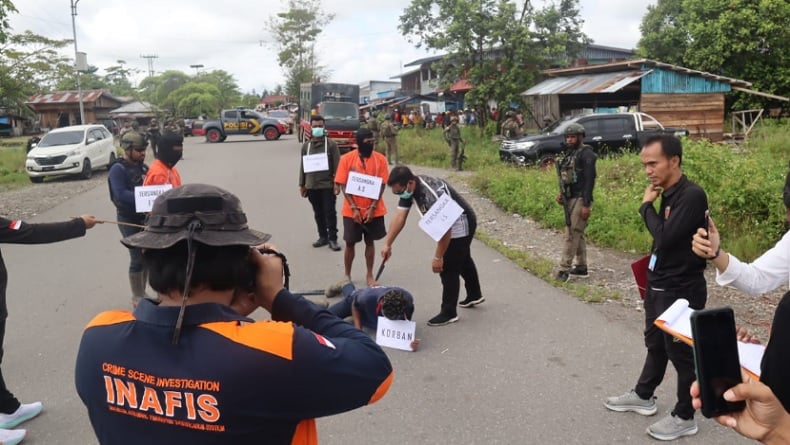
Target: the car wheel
pixel 546 162
pixel 87 169
pixel 112 160
pixel 213 135
pixel 36 179
pixel 271 133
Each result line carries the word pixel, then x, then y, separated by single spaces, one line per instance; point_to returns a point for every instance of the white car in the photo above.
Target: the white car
pixel 75 150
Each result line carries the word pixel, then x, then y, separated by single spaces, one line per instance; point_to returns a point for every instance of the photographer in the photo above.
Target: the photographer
pixel 194 369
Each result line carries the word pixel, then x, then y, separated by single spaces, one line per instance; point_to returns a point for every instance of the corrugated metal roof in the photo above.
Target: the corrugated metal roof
pixel 61 97
pixel 138 107
pixel 586 83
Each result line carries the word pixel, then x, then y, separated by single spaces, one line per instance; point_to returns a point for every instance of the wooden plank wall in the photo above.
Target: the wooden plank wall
pixel 702 114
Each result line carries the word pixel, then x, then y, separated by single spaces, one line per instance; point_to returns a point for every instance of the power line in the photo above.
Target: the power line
pixel 150 58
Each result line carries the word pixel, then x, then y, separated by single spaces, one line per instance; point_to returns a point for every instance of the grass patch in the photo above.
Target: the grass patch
pixel 744 186
pixel 544 269
pixel 12 163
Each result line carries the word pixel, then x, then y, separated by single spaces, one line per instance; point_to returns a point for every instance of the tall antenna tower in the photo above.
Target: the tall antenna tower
pixel 150 58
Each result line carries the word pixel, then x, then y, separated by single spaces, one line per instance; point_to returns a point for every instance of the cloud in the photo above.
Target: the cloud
pixel 361 43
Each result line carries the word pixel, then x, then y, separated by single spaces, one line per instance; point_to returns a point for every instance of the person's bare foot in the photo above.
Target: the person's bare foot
pixel 372 281
pixel 415 344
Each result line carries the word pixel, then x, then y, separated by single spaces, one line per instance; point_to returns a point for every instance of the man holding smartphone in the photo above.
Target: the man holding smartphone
pixel 674 272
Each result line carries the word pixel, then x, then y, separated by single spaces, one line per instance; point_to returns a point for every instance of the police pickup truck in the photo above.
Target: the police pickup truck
pixel 605 133
pixel 241 121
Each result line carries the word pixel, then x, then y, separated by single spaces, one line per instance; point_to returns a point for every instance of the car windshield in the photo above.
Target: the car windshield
pixel 62 138
pixel 339 110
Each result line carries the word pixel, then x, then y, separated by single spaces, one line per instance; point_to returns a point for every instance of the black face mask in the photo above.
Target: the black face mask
pixel 365 149
pixel 169 156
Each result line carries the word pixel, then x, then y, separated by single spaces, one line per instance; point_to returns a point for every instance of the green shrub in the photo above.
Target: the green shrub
pixel 743 184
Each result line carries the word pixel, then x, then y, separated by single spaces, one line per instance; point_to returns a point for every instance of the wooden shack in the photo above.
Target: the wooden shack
pixel 675 96
pixel 62 108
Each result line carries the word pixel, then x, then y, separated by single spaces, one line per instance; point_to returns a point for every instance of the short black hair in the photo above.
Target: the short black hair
pixel 395 305
pixel 670 145
pixel 317 118
pixel 218 268
pixel 400 175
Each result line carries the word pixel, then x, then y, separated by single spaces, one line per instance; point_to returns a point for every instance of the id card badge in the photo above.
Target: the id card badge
pixel 652 264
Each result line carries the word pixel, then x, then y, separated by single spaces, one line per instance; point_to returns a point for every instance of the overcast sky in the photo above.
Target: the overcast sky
pixel 362 43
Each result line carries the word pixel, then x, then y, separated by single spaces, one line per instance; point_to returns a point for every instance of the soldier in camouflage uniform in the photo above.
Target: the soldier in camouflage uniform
pixel 452 134
pixel 390 135
pixel 510 128
pixel 373 125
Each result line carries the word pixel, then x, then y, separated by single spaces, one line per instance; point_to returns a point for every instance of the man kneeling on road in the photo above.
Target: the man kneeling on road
pixel 366 305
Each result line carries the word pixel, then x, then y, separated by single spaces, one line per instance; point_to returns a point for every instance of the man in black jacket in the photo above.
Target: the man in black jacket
pixel 12 413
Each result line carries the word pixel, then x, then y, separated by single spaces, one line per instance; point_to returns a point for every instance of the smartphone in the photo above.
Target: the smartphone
pixel 716 359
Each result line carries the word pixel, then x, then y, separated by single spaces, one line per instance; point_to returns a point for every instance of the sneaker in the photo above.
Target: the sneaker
pixel 630 401
pixel 442 319
pixel 12 437
pixel 23 413
pixel 471 301
pixel 320 242
pixel 562 276
pixel 579 271
pixel 334 245
pixel 672 427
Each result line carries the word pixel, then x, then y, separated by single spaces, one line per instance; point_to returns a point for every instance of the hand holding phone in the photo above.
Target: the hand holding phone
pixel 716 359
pixel 706 223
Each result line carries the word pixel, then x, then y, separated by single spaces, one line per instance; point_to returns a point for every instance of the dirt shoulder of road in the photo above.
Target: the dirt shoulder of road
pixel 610 270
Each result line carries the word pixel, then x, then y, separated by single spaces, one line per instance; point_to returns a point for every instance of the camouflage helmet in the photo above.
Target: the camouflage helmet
pixel 510 114
pixel 133 139
pixel 574 128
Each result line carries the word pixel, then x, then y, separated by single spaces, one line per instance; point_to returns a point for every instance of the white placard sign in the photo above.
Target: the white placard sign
pixel 360 184
pixel 396 334
pixel 318 162
pixel 145 195
pixel 440 217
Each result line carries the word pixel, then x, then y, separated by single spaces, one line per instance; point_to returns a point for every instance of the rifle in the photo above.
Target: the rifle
pixel 564 194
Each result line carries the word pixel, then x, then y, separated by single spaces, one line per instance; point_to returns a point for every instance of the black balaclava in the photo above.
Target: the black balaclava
pixel 365 148
pixel 165 151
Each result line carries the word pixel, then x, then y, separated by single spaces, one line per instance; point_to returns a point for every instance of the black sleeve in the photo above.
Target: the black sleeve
pixel 19 232
pixel 686 215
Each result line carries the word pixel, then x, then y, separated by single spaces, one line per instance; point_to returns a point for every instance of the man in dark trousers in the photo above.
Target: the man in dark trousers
pixel 577 179
pixel 320 157
pixel 452 258
pixel 674 272
pixel 12 412
pixel 126 174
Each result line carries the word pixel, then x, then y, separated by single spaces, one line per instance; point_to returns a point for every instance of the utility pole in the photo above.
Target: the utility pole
pixel 76 55
pixel 150 58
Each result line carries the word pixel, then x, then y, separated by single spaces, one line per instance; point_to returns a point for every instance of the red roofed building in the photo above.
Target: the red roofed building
pixel 275 100
pixel 62 108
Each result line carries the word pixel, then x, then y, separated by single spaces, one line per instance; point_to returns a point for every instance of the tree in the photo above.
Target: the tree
pixel 6 9
pixel 295 32
pixel 496 45
pixel 193 99
pixel 228 90
pixel 31 63
pixel 743 39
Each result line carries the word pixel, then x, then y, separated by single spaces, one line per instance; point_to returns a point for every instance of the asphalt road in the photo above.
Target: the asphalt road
pixel 532 365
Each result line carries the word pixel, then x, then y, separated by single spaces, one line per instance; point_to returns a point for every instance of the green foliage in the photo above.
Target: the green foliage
pixel 497 45
pixel 6 9
pixel 744 187
pixel 744 39
pixel 12 163
pixel 29 63
pixel 296 32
